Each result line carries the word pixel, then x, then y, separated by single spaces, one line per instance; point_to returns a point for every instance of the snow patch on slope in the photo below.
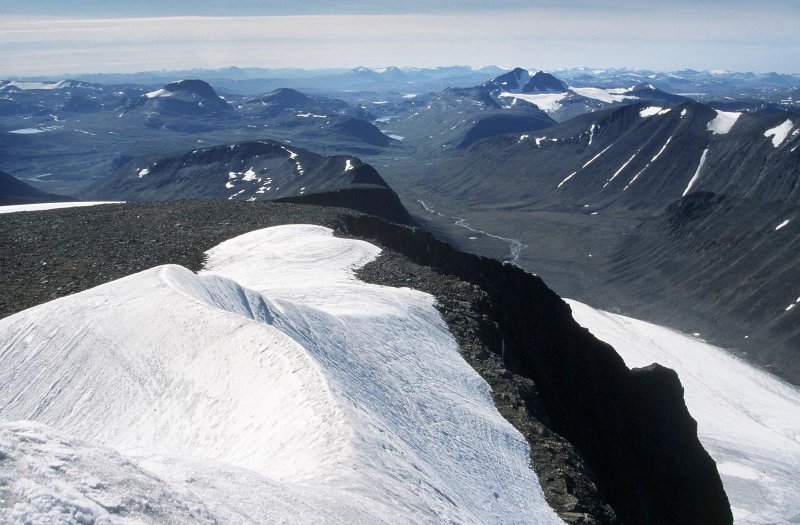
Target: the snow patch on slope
pixel 249 175
pixel 696 173
pixel 723 122
pixel 779 133
pixel 596 156
pixel 159 93
pixel 275 387
pixel 652 111
pixel 25 86
pixel 614 176
pixel 608 96
pixel 566 179
pixel 547 102
pixel 585 165
pixel 748 420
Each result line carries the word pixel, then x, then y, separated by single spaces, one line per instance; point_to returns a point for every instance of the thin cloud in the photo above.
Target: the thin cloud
pixel 548 37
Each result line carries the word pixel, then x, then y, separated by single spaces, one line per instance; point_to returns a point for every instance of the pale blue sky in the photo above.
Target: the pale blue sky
pixel 84 36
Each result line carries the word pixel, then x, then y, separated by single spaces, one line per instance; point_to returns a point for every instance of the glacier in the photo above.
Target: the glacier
pixel 271 387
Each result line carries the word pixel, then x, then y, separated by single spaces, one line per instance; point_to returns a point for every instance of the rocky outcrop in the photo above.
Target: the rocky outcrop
pixel 372 199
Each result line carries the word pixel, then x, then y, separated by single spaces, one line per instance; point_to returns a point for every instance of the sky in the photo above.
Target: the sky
pixel 50 37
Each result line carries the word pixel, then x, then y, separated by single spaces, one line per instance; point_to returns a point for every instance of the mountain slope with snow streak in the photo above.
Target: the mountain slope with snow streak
pixel 748 420
pixel 292 393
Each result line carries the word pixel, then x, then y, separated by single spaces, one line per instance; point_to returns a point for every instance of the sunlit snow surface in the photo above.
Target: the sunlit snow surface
pixel 604 95
pixel 779 132
pixel 547 102
pixel 652 111
pixel 25 86
pixel 697 172
pixel 747 420
pixel 13 208
pixel 274 387
pixel 723 122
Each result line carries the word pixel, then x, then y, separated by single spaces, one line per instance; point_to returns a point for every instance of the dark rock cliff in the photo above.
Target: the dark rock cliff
pixel 631 426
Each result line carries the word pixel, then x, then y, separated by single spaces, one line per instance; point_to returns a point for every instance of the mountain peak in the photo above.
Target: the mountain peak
pixel 512 81
pixel 190 96
pixel 287 96
pixel 195 86
pixel 543 82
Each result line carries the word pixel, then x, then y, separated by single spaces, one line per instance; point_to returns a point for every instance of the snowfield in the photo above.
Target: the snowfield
pixel 547 102
pixel 273 387
pixel 723 122
pixel 13 208
pixel 779 132
pixel 609 96
pixel 748 420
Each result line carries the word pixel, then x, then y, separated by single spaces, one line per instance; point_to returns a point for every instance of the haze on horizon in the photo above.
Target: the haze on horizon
pixel 51 37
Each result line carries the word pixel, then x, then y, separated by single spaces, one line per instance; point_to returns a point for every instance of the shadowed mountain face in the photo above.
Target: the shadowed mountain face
pixel 639 157
pixel 360 130
pixel 543 82
pixel 683 215
pixel 81 104
pixel 498 124
pixel 14 191
pixel 723 262
pixel 514 80
pixel 286 101
pixel 456 118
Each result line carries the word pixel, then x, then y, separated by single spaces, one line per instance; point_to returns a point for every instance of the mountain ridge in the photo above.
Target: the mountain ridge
pixel 505 285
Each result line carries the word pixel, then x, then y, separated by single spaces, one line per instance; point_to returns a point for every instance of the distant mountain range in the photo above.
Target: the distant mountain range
pixel 587 147
pixel 672 197
pixel 640 156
